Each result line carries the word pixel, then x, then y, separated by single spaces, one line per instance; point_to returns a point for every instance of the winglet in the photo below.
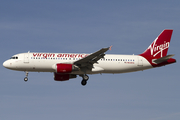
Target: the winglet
pixel 110 47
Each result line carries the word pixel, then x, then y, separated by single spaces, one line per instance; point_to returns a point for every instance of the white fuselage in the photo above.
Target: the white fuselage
pixel 46 62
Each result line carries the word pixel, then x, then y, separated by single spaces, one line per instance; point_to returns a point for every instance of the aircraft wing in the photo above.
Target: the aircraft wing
pixel 89 60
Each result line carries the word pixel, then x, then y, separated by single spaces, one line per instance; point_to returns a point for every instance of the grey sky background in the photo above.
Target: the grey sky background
pixel 85 27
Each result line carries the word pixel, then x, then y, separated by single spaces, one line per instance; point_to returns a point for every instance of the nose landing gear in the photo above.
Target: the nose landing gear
pixel 85 79
pixel 26 78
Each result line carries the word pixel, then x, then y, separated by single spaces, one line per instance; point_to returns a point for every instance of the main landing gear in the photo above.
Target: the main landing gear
pixel 85 79
pixel 26 78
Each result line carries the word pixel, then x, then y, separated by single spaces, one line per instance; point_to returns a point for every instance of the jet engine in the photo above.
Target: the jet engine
pixel 63 71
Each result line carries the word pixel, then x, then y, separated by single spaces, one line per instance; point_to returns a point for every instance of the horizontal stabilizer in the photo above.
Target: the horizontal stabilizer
pixel 163 59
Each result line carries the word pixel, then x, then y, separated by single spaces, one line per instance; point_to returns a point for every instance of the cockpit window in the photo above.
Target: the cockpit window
pixel 14 57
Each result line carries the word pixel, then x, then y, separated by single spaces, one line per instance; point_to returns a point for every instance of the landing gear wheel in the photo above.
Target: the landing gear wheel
pixel 85 79
pixel 25 79
pixel 84 82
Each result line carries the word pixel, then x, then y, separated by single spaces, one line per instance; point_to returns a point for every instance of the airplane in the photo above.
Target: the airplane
pixel 67 66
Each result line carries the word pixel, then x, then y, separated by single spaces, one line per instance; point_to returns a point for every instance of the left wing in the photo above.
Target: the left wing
pixel 88 61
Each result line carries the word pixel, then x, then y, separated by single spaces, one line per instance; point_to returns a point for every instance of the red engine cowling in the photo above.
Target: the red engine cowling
pixel 64 68
pixel 63 77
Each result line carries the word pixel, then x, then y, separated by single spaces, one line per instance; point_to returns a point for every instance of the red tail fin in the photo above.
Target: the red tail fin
pixel 159 47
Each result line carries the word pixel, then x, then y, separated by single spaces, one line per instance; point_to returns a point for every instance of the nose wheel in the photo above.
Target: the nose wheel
pixel 26 78
pixel 85 79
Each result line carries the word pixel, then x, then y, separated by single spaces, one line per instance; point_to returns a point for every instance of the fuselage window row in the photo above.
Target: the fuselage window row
pixel 78 59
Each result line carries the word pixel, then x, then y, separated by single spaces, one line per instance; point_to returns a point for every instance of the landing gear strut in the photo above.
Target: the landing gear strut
pixel 26 78
pixel 85 79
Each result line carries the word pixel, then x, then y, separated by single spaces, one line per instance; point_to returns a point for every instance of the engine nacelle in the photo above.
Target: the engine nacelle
pixel 65 68
pixel 63 77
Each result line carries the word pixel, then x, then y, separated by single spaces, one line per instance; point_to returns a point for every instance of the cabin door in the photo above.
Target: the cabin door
pixel 140 61
pixel 26 58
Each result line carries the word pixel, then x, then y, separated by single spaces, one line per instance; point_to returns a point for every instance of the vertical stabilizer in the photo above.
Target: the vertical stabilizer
pixel 160 45
pixel 156 53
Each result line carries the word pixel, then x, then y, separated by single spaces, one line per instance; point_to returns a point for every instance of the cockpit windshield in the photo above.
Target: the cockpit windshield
pixel 14 57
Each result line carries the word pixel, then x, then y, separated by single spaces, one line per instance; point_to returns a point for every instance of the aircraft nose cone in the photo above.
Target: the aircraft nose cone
pixel 5 64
